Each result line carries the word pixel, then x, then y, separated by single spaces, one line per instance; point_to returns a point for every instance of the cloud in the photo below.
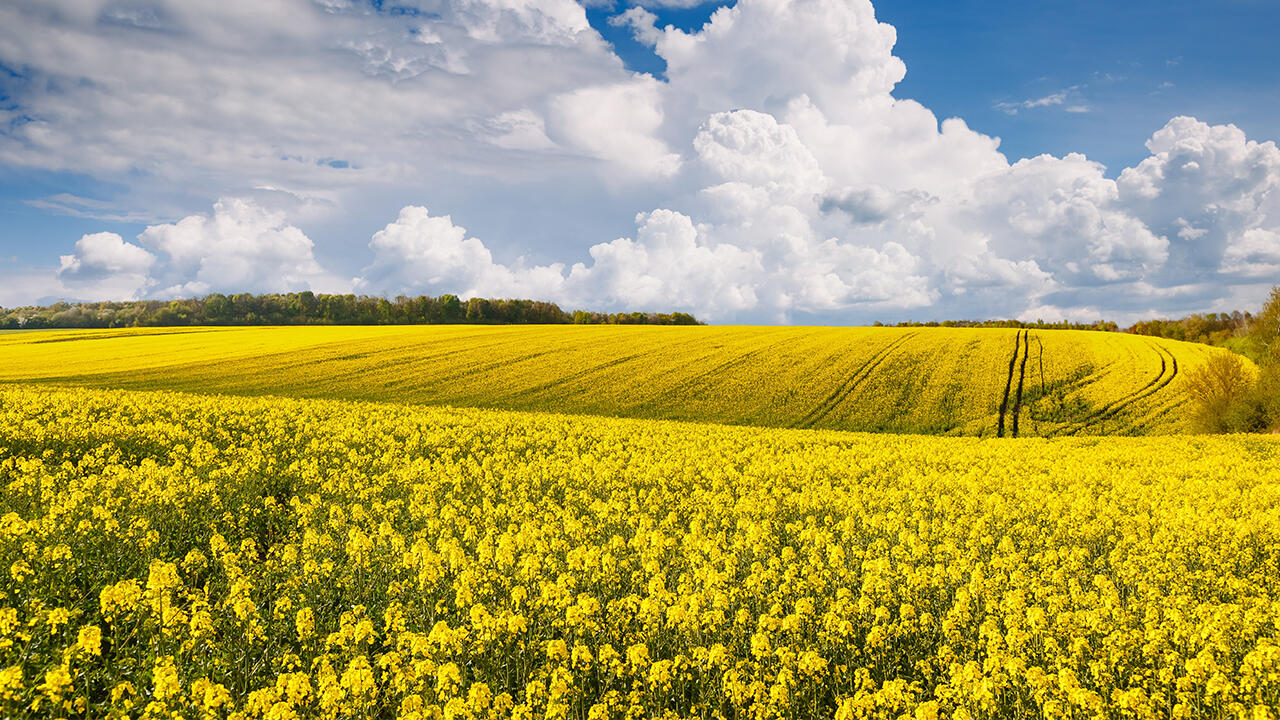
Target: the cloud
pixel 615 123
pixel 107 267
pixel 758 251
pixel 1062 98
pixel 670 263
pixel 754 148
pixel 643 24
pixel 773 176
pixel 665 266
pixel 1065 215
pixel 1214 193
pixel 76 206
pixel 240 247
pixel 156 93
pixel 1012 108
pixel 423 253
pixel 763 54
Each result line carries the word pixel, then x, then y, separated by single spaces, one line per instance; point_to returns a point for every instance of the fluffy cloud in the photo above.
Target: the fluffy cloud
pixel 761 54
pixel 240 247
pixel 106 266
pixel 616 123
pixel 1064 214
pixel 421 253
pixel 759 250
pixel 754 148
pixel 664 266
pixel 670 264
pixel 1214 193
pixel 772 176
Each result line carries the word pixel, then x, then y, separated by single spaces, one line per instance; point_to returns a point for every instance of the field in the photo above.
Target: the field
pixel 615 523
pixel 175 555
pixel 924 380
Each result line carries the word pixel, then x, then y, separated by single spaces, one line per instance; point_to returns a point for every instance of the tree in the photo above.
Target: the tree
pixel 450 308
pixel 1266 327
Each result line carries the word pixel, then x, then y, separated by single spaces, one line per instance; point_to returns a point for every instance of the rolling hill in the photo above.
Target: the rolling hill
pixel 983 382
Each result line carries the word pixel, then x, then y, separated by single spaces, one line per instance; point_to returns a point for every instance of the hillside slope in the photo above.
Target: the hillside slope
pixel 984 382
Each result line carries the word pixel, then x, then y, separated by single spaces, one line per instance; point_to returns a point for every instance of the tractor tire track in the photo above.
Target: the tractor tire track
pixel 1168 365
pixel 1008 383
pixel 1040 343
pixel 1173 373
pixel 855 379
pixel 1022 377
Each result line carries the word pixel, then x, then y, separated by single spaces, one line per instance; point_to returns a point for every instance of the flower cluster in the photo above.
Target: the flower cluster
pixel 169 555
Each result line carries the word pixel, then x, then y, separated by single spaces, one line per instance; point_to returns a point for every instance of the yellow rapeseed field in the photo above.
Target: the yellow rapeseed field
pixel 930 380
pixel 173 555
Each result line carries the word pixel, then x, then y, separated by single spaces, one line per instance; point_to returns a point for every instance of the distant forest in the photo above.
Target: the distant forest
pixel 307 308
pixel 1230 330
pixel 1100 325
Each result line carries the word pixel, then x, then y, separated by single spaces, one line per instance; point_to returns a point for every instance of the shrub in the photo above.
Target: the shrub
pixel 1219 389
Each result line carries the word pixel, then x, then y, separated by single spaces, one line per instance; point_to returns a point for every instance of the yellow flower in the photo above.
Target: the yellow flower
pixel 557 651
pixel 8 621
pixel 209 695
pixel 760 645
pixel 305 623
pixel 478 697
pixel 56 683
pixel 358 681
pixel 58 617
pixel 20 571
pixel 638 656
pixel 294 687
pixel 447 679
pixel 811 663
pixel 12 526
pixel 456 709
pixel 89 640
pixel 119 599
pixel 122 693
pixel 11 683
pixel 164 679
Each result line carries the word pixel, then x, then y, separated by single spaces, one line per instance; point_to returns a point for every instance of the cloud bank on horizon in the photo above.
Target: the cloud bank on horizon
pixel 785 182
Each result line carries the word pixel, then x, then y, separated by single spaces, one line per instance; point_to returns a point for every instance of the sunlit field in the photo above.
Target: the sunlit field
pixel 174 555
pixel 983 382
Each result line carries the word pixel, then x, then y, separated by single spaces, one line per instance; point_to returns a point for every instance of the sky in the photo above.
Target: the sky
pixel 764 161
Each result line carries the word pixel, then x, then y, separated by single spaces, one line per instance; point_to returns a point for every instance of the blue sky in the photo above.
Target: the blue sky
pixel 502 149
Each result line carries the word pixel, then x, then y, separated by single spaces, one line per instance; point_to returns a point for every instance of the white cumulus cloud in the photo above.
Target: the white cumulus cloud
pixel 107 267
pixel 239 247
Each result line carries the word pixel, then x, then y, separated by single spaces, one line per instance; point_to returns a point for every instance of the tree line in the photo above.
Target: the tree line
pixel 307 308
pixel 1099 325
pixel 1229 330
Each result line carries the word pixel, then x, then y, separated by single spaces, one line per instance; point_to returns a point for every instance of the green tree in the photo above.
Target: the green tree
pixel 450 308
pixel 1266 327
